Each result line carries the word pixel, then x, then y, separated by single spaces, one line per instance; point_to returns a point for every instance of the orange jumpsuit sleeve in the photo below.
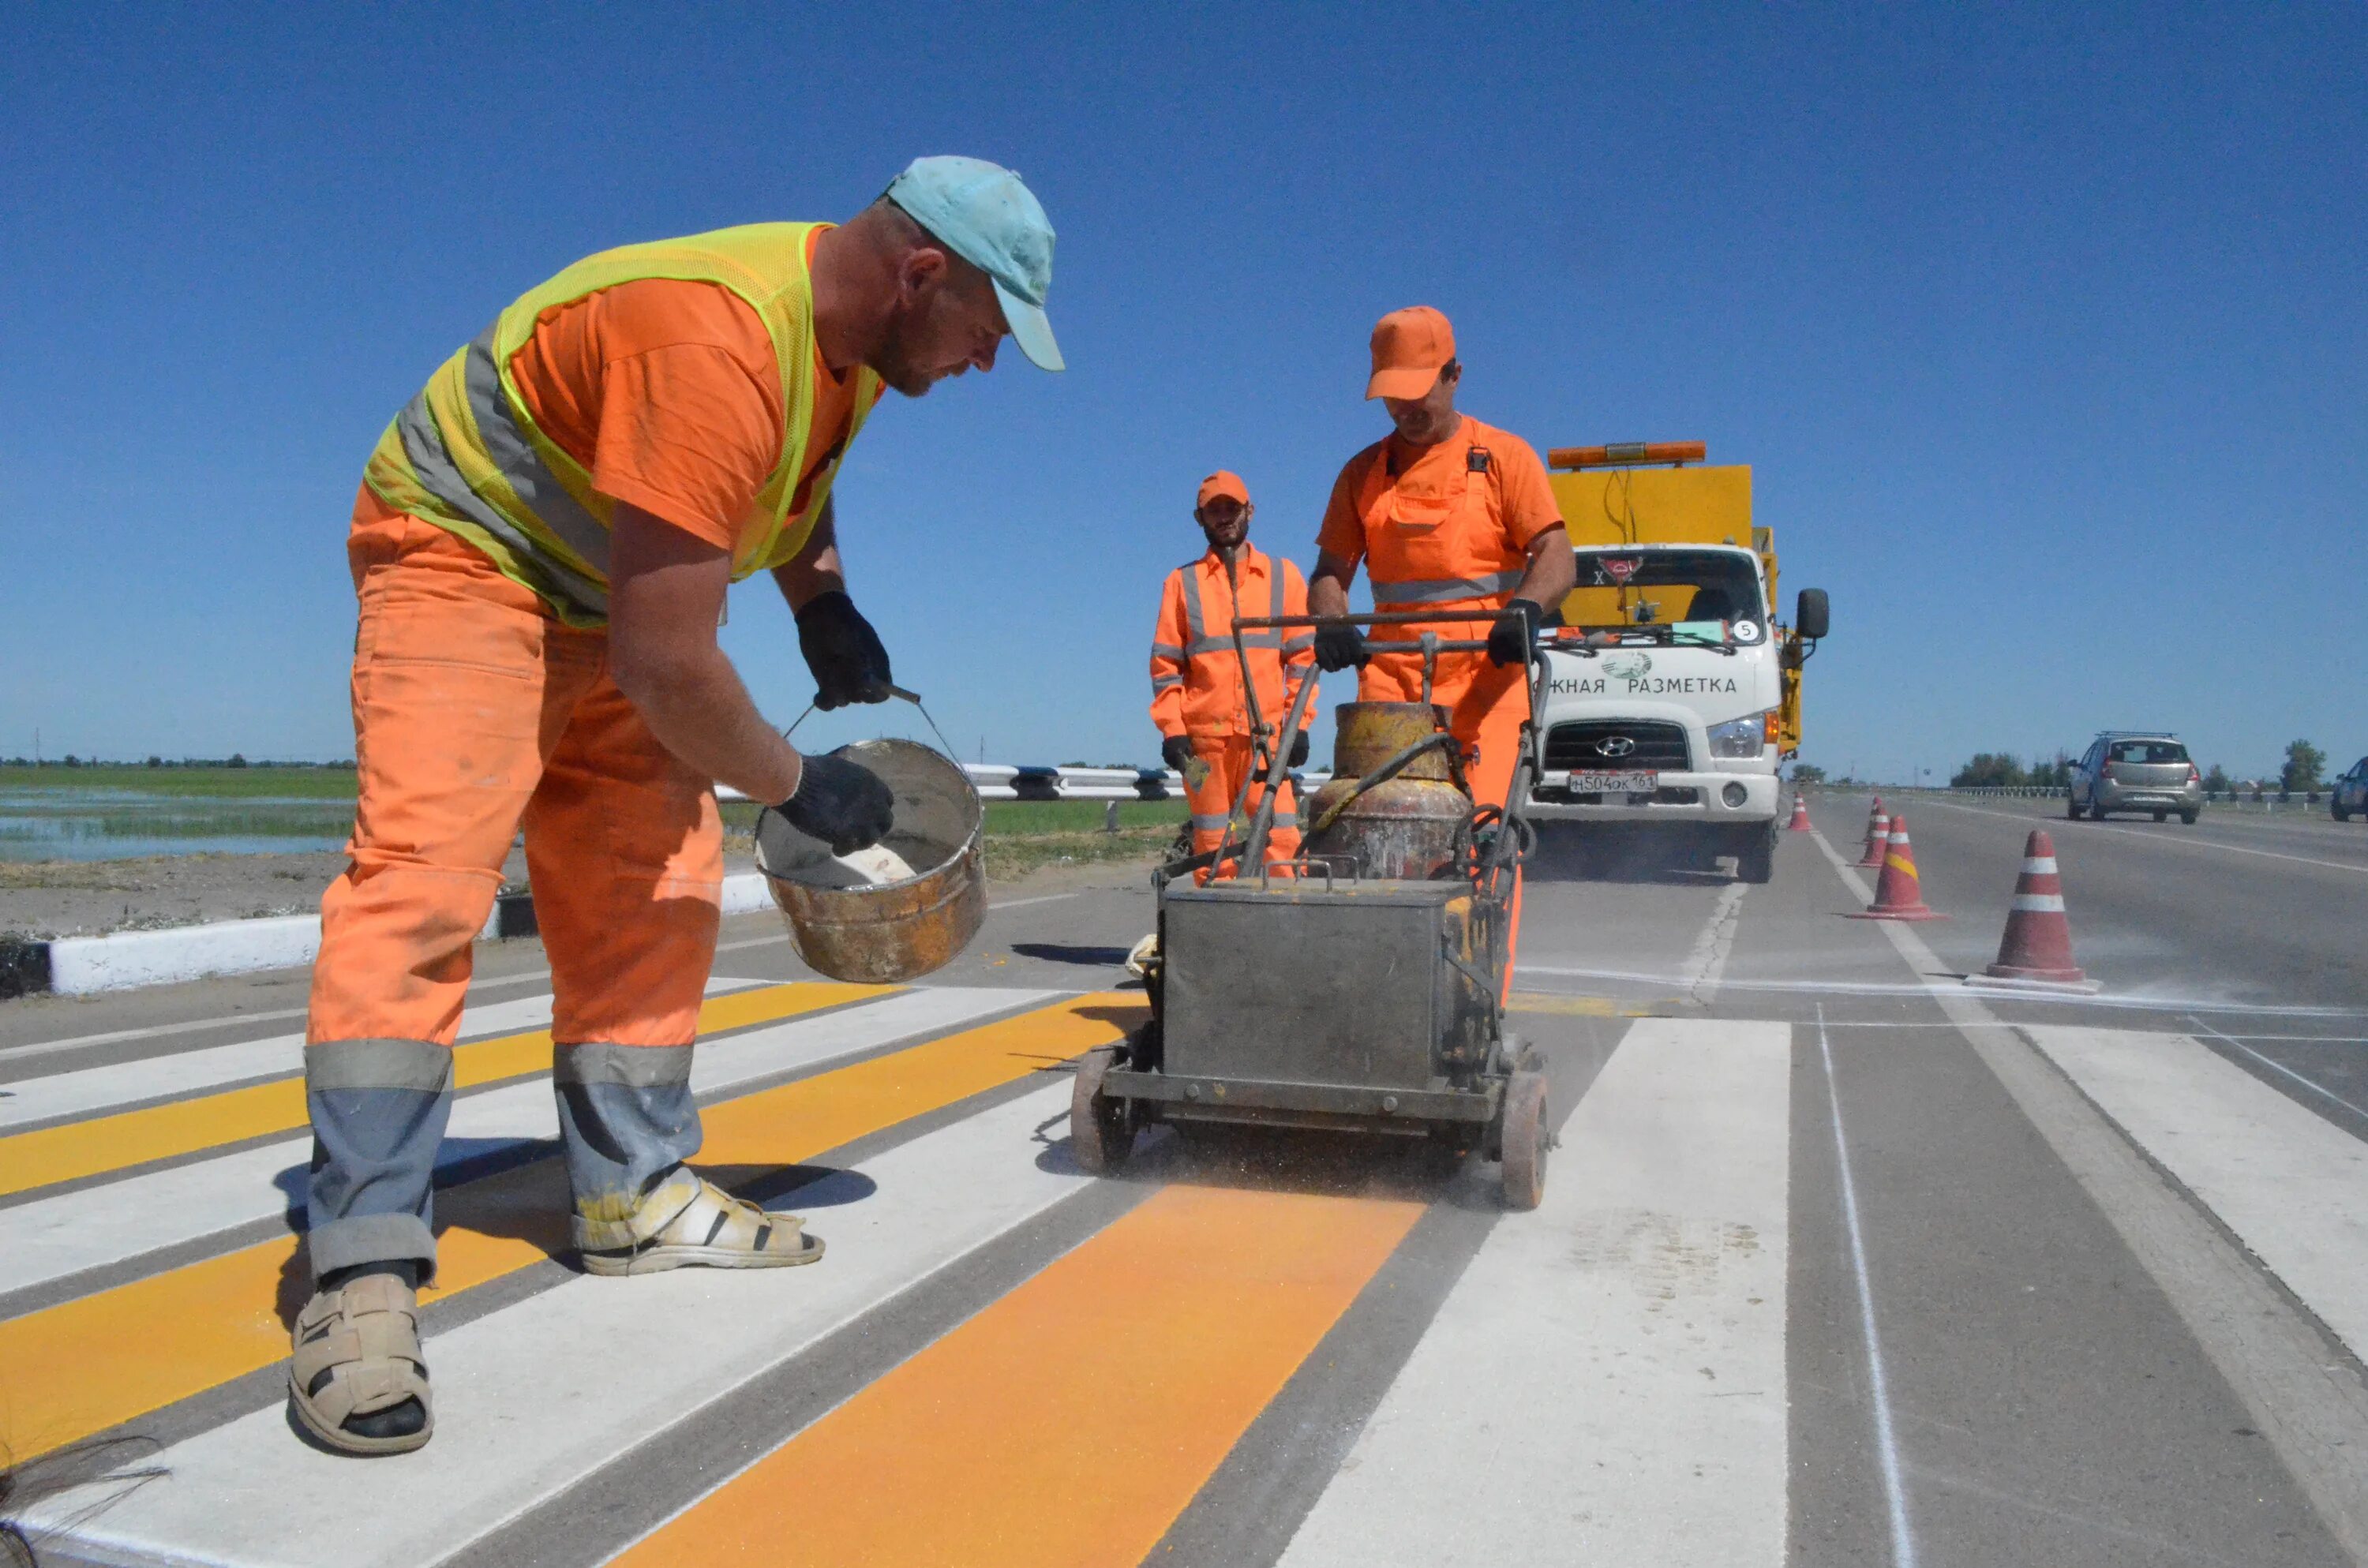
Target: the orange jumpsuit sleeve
pixel 1298 643
pixel 1167 639
pixel 1343 532
pixel 1524 493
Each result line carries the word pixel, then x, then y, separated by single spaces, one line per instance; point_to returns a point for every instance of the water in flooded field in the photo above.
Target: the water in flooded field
pixel 69 822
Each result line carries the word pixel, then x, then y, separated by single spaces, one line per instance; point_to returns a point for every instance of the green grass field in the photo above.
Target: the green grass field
pixel 245 807
pixel 190 783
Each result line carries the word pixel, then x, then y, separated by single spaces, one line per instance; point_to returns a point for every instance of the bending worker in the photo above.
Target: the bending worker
pixel 1447 514
pixel 1196 677
pixel 541 548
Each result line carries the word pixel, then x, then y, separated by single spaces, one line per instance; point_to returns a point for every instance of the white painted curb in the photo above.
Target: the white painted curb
pixel 80 966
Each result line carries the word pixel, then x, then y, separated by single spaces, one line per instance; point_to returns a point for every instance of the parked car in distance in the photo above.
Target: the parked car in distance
pixel 2135 770
pixel 2349 796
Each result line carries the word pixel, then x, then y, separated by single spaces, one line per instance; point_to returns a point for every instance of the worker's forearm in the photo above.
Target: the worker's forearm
pixel 816 568
pixel 1552 570
pixel 694 703
pixel 1326 595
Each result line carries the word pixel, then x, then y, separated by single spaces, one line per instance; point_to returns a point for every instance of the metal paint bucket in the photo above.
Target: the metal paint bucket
pixel 1406 827
pixel 886 932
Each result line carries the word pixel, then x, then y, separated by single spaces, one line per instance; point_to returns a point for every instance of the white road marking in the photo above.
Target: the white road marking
pixel 191 1026
pixel 532 1398
pixel 94 1089
pixel 50 1238
pixel 2313 1414
pixel 1895 1489
pixel 2292 1184
pixel 2313 1085
pixel 2181 842
pixel 992 908
pixel 1606 1384
pixel 1706 961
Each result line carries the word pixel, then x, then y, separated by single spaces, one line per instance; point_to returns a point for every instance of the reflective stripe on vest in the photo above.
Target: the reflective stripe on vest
pixel 1196 620
pixel 526 475
pixel 1445 590
pixel 466 454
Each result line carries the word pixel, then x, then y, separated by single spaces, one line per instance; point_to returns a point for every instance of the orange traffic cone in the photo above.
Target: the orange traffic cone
pixel 1878 836
pixel 2036 951
pixel 1800 823
pixel 1898 895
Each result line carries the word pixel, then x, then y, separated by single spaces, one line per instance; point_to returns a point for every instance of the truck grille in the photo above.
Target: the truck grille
pixel 1658 744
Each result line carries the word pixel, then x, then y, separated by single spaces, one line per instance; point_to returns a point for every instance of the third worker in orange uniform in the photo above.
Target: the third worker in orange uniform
pixel 1447 514
pixel 1196 675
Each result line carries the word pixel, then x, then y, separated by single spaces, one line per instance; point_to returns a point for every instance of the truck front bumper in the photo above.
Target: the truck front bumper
pixel 1720 799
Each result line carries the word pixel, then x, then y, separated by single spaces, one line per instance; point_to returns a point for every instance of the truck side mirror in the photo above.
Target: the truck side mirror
pixel 1810 619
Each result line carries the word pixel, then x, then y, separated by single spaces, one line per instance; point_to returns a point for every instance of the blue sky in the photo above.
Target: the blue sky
pixel 2044 334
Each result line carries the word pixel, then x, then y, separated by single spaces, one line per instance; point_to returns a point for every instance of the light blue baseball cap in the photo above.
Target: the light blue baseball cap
pixel 989 219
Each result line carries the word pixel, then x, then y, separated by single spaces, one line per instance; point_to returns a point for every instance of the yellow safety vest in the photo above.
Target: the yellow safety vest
pixel 467 455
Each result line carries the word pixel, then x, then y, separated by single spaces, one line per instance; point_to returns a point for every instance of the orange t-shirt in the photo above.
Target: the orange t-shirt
pixel 667 392
pixel 1524 502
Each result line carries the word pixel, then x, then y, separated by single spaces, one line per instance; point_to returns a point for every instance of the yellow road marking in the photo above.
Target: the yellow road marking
pixel 1578 1006
pixel 79 1149
pixel 86 1365
pixel 1071 1421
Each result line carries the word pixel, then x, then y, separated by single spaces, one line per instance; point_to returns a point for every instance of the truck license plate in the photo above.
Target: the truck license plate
pixel 1613 783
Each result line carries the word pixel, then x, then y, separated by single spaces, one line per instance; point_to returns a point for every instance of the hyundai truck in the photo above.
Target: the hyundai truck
pixel 1672 693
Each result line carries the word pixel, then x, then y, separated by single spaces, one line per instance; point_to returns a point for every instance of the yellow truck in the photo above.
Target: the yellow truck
pixel 1672 691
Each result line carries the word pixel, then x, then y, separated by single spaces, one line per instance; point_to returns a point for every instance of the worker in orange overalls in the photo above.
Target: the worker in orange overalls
pixel 1447 514
pixel 1196 675
pixel 541 548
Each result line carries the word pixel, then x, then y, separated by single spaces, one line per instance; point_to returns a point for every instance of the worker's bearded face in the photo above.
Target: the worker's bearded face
pixel 944 322
pixel 1226 522
pixel 1431 418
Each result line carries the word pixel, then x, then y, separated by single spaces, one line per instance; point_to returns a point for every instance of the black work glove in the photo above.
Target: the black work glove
pixel 1339 644
pixel 1175 750
pixel 841 803
pixel 1516 633
pixel 844 653
pixel 1298 750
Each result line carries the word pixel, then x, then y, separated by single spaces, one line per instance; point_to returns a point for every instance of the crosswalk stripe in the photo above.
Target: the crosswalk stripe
pixel 2292 1185
pixel 1606 1382
pixel 52 1154
pixel 51 1238
pixel 1071 1420
pixel 533 1398
pixel 175 1334
pixel 89 1089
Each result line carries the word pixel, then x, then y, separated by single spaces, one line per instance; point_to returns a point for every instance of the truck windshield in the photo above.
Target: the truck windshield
pixel 1662 588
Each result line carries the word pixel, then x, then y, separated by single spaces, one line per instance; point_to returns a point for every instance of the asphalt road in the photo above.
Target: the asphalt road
pixel 1840 1261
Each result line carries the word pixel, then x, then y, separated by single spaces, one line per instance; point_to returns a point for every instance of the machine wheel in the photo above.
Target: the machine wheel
pixel 2071 805
pixel 2162 816
pixel 2187 817
pixel 1526 1140
pixel 1102 1133
pixel 1755 859
pixel 2333 805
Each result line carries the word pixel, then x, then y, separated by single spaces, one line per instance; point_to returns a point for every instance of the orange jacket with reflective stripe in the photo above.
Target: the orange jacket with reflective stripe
pixel 1195 677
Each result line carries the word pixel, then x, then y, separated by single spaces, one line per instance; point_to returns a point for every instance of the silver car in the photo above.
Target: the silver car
pixel 2135 770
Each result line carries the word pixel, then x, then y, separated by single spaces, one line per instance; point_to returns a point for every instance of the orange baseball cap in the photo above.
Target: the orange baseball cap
pixel 1409 346
pixel 1223 482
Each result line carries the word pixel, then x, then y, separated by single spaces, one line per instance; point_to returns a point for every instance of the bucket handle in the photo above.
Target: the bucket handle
pixel 912 697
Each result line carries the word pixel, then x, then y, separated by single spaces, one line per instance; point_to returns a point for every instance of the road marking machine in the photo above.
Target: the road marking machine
pixel 1358 988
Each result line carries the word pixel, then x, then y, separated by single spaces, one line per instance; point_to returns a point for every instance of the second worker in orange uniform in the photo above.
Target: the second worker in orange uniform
pixel 1197 697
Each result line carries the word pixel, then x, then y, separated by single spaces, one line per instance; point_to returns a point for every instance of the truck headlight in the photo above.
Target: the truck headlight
pixel 1741 737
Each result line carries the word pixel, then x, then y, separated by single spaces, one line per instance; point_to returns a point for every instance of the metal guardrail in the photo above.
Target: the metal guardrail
pixel 1009 781
pixel 2241 799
